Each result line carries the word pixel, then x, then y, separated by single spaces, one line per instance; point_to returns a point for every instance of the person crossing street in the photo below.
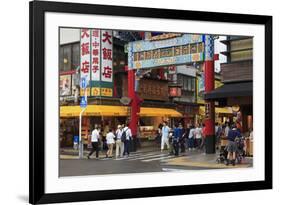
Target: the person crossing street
pixel 95 138
pixel 165 136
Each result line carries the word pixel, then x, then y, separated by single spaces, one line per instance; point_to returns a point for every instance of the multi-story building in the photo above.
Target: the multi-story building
pixel 237 77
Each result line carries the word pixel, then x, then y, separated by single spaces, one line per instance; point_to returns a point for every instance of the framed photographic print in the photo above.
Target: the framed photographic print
pixel 130 102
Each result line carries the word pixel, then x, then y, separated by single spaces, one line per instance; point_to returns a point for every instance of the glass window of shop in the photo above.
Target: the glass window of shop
pixel 188 86
pixel 69 56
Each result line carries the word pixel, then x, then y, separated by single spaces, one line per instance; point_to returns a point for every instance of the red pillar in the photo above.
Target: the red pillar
pixel 133 124
pixel 209 73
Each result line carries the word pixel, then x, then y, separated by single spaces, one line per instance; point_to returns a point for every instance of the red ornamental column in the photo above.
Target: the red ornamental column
pixel 209 76
pixel 133 124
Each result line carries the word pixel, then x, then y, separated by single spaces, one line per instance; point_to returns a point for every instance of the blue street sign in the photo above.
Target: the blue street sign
pixel 83 83
pixel 83 102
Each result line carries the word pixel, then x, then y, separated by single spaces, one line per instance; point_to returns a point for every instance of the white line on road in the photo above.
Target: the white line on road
pixel 137 155
pixel 146 157
pixel 158 158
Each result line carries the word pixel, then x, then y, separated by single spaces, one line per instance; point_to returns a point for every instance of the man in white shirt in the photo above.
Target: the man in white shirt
pixel 191 138
pixel 128 132
pixel 165 136
pixel 95 142
pixel 119 143
pixel 110 142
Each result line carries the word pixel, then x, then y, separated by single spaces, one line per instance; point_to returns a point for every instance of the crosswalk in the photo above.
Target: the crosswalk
pixel 144 157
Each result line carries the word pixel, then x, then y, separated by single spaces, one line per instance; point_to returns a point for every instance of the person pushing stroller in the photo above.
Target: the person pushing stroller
pixel 232 148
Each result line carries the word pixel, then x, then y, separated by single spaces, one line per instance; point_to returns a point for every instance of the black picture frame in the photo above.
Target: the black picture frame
pixel 37 11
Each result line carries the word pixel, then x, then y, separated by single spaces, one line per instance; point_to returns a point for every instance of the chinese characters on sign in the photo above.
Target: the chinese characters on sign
pixel 106 46
pixel 85 56
pixel 182 49
pixel 96 48
pixel 95 35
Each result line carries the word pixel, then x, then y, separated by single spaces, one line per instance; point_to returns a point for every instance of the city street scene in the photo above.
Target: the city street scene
pixel 140 102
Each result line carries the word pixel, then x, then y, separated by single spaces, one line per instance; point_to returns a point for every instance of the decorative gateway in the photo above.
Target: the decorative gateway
pixel 183 49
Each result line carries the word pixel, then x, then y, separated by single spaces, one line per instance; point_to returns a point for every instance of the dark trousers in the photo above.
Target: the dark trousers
pixel 176 147
pixel 182 145
pixel 191 143
pixel 198 143
pixel 126 147
pixel 95 147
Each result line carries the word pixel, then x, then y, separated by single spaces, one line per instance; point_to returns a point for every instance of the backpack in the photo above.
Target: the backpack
pixel 123 136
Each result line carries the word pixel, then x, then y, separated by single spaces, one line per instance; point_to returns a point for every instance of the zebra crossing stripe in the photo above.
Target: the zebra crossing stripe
pixel 147 157
pixel 158 158
pixel 136 156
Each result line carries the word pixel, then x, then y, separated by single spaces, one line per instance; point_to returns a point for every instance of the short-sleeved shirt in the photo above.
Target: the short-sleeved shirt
pixel 110 138
pixel 165 131
pixel 232 134
pixel 119 133
pixel 95 136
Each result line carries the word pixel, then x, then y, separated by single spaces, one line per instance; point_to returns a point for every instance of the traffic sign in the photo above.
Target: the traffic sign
pixel 83 102
pixel 83 83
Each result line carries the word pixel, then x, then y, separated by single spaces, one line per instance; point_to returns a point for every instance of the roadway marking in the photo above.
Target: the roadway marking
pixel 158 158
pixel 148 157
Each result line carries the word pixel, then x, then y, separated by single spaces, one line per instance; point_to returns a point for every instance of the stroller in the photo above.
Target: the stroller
pixel 240 153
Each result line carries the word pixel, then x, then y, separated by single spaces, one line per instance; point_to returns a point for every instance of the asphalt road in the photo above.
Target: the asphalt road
pixel 139 162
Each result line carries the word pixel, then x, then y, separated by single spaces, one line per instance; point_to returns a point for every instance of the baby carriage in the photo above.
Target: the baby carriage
pixel 223 155
pixel 240 154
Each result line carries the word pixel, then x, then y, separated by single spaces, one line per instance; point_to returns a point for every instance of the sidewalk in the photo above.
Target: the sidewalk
pixel 200 159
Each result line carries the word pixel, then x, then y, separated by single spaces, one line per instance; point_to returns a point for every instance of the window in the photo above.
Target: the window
pixel 75 56
pixel 69 56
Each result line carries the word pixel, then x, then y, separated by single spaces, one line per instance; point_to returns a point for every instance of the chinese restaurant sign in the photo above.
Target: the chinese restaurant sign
pixel 106 65
pixel 96 61
pixel 154 90
pixel 179 50
pixel 95 51
pixel 85 61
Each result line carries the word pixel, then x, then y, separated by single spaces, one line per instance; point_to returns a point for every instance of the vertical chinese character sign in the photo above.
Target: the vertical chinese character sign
pixel 85 61
pixel 106 63
pixel 95 62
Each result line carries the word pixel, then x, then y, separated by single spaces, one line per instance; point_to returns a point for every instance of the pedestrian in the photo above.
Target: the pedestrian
pixel 110 143
pixel 127 138
pixel 95 140
pixel 191 137
pixel 187 130
pixel 232 146
pixel 119 143
pixel 198 136
pixel 176 137
pixel 203 143
pixel 182 138
pixel 218 130
pixel 226 129
pixel 165 136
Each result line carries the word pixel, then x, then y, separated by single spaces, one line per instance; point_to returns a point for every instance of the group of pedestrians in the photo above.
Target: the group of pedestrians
pixel 191 137
pixel 121 138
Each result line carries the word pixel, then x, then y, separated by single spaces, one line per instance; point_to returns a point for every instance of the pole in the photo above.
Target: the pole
pixel 210 139
pixel 80 128
pixel 80 134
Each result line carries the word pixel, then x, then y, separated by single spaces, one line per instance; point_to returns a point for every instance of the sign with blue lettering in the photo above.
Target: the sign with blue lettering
pixel 181 50
pixel 83 102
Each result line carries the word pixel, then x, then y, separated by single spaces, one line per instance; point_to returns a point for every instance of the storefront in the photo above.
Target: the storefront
pixel 109 117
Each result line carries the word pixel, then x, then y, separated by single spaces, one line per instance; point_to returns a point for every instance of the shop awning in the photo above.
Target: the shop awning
pixel 107 110
pixel 94 110
pixel 226 110
pixel 159 112
pixel 231 90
